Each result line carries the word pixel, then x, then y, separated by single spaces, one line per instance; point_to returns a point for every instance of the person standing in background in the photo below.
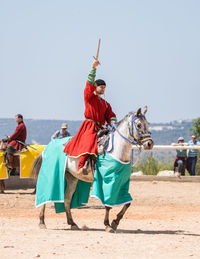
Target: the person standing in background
pixel 181 157
pixel 61 133
pixel 192 156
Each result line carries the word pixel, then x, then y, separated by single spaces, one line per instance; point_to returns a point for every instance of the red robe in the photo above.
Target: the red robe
pixel 96 109
pixel 19 134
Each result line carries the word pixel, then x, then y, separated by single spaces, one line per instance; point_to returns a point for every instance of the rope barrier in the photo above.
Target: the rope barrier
pixel 168 147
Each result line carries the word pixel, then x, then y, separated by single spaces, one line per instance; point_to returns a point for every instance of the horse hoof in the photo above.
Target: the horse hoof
pixel 114 225
pixel 75 227
pixel 109 229
pixel 42 226
pixel 34 192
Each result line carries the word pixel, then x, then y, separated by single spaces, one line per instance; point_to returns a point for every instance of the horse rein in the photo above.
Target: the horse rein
pixel 142 137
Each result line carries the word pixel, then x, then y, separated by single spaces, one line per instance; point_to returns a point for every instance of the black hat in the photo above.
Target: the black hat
pixel 99 82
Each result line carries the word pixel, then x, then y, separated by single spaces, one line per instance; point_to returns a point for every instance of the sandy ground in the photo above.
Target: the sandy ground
pixel 162 222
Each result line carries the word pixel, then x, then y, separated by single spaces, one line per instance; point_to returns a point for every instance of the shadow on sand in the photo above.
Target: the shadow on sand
pixel 138 231
pixel 20 193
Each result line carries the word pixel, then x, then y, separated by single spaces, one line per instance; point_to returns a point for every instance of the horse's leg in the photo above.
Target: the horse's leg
pixel 120 215
pixel 2 186
pixel 106 220
pixel 34 192
pixel 71 187
pixel 42 223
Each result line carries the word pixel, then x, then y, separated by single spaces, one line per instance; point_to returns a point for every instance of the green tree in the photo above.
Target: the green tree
pixel 196 131
pixel 151 166
pixel 196 127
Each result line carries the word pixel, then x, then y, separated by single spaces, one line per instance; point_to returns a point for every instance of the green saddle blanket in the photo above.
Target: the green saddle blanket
pixel 111 181
pixel 51 181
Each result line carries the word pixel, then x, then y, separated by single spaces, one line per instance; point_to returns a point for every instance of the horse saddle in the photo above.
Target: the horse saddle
pixel 3 144
pixel 102 140
pixel 11 161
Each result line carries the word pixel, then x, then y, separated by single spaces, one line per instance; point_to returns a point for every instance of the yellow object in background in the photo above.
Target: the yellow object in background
pixel 26 159
pixel 3 170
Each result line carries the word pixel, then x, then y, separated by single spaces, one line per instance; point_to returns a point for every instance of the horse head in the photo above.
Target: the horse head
pixel 139 129
pixel 134 129
pixel 3 144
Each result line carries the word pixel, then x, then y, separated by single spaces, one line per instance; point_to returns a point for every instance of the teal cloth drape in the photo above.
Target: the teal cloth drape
pixel 51 182
pixel 111 181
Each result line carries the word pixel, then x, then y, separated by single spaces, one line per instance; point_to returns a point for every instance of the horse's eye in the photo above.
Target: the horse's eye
pixel 139 125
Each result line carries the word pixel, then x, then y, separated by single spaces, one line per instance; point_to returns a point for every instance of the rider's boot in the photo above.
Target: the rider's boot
pixel 86 173
pixel 84 170
pixel 83 164
pixel 10 161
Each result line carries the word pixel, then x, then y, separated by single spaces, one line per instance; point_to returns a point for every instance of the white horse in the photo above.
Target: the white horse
pixel 132 129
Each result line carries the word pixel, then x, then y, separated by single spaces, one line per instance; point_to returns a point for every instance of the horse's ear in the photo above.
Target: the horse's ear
pixel 138 113
pixel 145 110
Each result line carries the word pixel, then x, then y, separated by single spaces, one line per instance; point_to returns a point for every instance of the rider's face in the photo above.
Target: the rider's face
pixel 18 119
pixel 100 89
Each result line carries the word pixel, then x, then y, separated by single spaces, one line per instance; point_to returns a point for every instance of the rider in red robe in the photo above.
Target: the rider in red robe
pixel 97 112
pixel 19 135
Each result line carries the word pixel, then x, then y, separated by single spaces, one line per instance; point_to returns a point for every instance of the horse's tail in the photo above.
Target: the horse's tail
pixel 36 166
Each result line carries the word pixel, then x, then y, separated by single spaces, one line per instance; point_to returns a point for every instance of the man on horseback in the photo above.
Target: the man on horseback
pixel 14 145
pixel 97 112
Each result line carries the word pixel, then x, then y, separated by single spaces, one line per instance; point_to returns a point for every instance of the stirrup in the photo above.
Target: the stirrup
pixel 8 166
pixel 85 175
pixel 83 171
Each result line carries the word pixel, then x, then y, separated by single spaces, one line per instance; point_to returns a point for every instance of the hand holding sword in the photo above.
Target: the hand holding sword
pixel 96 62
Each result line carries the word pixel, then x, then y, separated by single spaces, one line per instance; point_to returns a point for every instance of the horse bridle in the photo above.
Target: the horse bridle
pixel 142 137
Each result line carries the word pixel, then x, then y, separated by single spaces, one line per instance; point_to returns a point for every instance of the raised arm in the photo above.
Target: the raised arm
pixel 90 88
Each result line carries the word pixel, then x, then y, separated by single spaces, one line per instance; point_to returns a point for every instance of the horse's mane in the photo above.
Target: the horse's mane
pixel 122 120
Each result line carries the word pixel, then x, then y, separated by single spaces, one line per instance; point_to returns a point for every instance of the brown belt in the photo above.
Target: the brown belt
pixel 97 124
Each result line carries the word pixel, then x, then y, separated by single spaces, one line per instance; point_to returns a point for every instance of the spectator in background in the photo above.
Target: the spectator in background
pixel 61 133
pixel 192 156
pixel 181 157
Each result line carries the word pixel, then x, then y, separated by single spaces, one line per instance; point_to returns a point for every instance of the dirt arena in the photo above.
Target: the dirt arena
pixel 162 222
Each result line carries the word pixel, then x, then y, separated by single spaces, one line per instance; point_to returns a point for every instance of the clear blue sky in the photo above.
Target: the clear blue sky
pixel 150 55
